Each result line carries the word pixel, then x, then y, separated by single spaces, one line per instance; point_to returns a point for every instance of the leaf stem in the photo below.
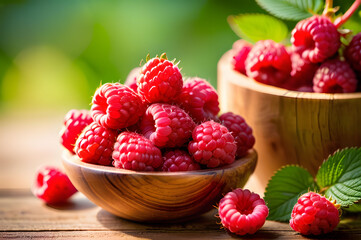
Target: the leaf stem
pixel 328 5
pixel 341 20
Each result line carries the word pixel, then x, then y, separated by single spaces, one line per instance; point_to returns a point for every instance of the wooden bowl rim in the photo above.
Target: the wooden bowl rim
pixel 72 159
pixel 225 63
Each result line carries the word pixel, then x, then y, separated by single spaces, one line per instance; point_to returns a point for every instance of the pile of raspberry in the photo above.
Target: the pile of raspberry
pixel 157 121
pixel 317 61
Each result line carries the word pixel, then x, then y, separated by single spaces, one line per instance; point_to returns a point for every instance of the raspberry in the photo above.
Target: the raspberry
pixel 302 70
pixel 241 132
pixel 159 81
pixel 95 144
pixel 199 99
pixel 178 160
pixel 74 123
pixel 353 52
pixel 52 185
pixel 268 62
pixel 334 76
pixel 242 212
pixel 315 38
pixel 167 125
pixel 116 106
pixel 133 151
pixel 213 145
pixel 241 49
pixel 313 214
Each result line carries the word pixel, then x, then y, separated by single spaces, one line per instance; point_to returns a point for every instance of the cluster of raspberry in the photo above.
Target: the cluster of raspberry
pixel 157 122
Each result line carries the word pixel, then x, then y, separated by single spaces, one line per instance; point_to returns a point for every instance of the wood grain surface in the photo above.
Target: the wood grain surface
pixel 290 127
pixel 157 196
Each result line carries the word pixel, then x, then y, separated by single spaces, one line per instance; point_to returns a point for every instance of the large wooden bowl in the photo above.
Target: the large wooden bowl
pixel 290 127
pixel 156 196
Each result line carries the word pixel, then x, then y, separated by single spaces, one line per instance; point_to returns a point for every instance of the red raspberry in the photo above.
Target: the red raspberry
pixel 199 99
pixel 133 151
pixel 334 76
pixel 241 132
pixel 241 49
pixel 178 160
pixel 52 185
pixel 302 70
pixel 159 81
pixel 95 144
pixel 74 123
pixel 242 212
pixel 116 106
pixel 213 145
pixel 167 125
pixel 353 52
pixel 316 38
pixel 268 62
pixel 313 214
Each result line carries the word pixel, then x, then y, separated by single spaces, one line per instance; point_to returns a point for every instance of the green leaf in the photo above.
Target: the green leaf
pixel 291 9
pixel 255 27
pixel 284 189
pixel 355 208
pixel 339 177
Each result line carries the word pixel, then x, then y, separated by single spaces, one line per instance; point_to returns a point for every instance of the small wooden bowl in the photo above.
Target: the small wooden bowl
pixel 290 127
pixel 156 196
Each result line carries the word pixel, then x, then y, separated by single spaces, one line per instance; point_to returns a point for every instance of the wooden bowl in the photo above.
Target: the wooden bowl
pixel 157 196
pixel 290 127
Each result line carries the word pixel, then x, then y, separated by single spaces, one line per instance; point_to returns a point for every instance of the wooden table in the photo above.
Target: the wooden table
pixel 22 216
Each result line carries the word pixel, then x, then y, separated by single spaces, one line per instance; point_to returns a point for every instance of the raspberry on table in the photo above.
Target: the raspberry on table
pixel 241 48
pixel 199 99
pixel 178 160
pixel 116 106
pixel 334 76
pixel 160 80
pixel 242 212
pixel 167 125
pixel 240 130
pixel 133 151
pixel 313 214
pixel 212 145
pixel 74 123
pixel 268 62
pixel 353 52
pixel 95 144
pixel 316 39
pixel 52 185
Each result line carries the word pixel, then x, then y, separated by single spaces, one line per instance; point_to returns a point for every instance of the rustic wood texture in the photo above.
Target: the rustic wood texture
pixel 22 216
pixel 290 127
pixel 157 196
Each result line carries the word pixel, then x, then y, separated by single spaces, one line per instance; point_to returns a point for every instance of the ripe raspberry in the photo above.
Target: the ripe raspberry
pixel 116 106
pixel 313 214
pixel 178 160
pixel 241 132
pixel 133 151
pixel 95 144
pixel 242 212
pixel 316 39
pixel 241 49
pixel 159 80
pixel 199 99
pixel 302 70
pixel 213 145
pixel 353 52
pixel 167 125
pixel 52 185
pixel 334 76
pixel 268 62
pixel 74 123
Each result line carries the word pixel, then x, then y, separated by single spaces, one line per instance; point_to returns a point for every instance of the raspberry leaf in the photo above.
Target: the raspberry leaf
pixel 255 27
pixel 291 9
pixel 283 190
pixel 339 177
